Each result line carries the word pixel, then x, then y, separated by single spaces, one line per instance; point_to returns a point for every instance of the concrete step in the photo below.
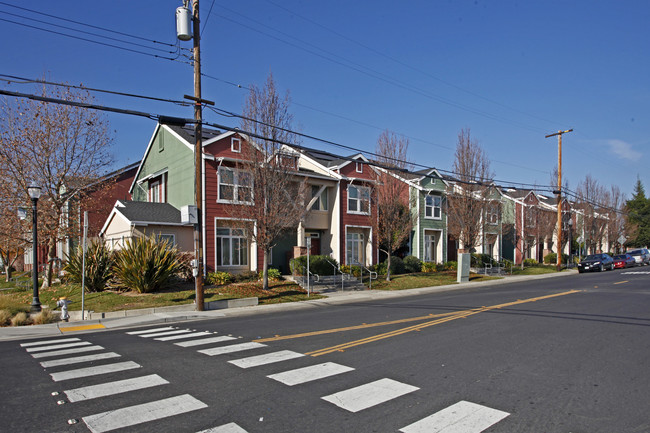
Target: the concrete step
pixel 329 283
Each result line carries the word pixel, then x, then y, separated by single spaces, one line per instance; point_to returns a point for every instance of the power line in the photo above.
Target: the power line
pixel 207 18
pixel 375 74
pixel 21 80
pixel 177 120
pixel 88 25
pixel 406 65
pixel 89 33
pixel 93 41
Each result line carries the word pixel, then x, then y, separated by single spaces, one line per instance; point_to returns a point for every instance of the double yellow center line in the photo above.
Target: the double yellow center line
pixel 441 318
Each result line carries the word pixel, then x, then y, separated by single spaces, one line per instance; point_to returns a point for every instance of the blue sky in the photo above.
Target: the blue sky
pixel 511 71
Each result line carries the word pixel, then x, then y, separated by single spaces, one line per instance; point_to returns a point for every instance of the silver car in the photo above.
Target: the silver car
pixel 641 256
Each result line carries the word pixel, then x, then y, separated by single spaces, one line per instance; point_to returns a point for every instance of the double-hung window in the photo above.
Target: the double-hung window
pixel 232 247
pixel 492 214
pixel 358 199
pixel 432 207
pixel 235 186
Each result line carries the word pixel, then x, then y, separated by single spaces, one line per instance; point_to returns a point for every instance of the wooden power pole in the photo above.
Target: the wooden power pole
pixel 559 195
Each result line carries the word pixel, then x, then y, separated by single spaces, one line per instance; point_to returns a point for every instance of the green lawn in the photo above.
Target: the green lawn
pixel 20 299
pixel 414 281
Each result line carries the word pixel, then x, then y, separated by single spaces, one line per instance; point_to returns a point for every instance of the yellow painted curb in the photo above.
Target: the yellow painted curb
pixel 82 328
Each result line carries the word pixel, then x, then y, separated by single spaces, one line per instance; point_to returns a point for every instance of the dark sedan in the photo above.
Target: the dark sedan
pixel 596 262
pixel 624 261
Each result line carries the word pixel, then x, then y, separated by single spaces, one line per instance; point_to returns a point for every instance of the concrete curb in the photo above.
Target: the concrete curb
pixel 235 308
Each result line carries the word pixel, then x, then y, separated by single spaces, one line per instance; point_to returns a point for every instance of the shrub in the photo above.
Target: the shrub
pixel 551 258
pixel 396 265
pixel 145 265
pixel 45 316
pixel 429 267
pixel 412 264
pixel 380 268
pixel 530 262
pixel 451 266
pixel 480 260
pixel 99 263
pixel 20 319
pixel 185 266
pixel 219 278
pixel 5 316
pixel 318 264
pixel 245 277
pixel 272 273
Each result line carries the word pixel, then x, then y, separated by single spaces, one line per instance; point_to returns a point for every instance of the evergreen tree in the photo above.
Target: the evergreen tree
pixel 638 217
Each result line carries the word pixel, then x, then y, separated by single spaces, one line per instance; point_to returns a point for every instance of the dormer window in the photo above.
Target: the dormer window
pixel 235 145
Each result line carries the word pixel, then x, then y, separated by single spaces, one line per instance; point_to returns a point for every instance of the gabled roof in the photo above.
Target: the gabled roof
pixel 149 213
pixel 144 213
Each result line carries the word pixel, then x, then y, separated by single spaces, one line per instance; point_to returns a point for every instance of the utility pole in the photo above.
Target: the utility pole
pixel 559 195
pixel 182 23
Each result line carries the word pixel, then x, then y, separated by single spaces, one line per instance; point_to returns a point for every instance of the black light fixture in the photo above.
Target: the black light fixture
pixel 34 192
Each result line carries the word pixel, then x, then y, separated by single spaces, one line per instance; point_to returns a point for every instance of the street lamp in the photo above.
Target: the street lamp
pixel 34 192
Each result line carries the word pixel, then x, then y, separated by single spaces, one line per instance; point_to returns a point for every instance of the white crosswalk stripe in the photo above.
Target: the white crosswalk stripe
pixel 79 359
pixel 180 337
pixel 228 428
pixel 231 348
pixel 57 346
pixel 164 333
pixel 112 388
pixel 147 331
pixel 56 341
pixel 462 417
pixel 268 358
pixel 67 351
pixel 370 394
pixel 94 371
pixel 205 341
pixel 308 374
pixel 141 413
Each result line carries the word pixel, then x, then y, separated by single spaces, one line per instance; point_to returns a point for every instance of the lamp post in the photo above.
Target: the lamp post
pixel 34 192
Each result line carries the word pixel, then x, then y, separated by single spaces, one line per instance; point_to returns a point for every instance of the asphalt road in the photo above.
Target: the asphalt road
pixel 565 355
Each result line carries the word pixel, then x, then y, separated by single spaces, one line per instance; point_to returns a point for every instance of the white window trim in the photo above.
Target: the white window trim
pixel 433 208
pixel 236 186
pixel 358 200
pixel 231 266
pixel 252 246
pixel 359 167
pixel 235 145
pixel 368 251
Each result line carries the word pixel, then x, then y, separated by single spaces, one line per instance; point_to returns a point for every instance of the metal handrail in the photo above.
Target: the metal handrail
pixel 370 273
pixel 338 268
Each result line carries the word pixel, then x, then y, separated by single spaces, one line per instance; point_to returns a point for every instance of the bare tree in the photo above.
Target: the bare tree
pixel 590 202
pixel 614 201
pixel 63 149
pixel 276 193
pixel 467 197
pixel 13 232
pixel 392 194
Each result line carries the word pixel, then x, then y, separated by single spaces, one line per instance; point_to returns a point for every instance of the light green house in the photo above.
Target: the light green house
pixel 429 234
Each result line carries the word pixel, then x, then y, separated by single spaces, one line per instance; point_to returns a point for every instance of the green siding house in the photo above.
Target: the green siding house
pixel 429 235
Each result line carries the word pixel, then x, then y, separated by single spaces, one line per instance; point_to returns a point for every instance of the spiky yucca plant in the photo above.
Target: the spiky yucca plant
pixel 99 261
pixel 145 264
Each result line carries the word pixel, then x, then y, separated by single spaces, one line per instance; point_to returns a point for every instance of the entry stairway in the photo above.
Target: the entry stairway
pixel 329 283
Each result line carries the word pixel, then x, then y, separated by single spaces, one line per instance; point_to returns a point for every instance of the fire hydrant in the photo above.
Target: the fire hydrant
pixel 63 303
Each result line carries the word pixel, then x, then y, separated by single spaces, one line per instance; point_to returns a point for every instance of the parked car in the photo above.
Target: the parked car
pixel 596 262
pixel 624 261
pixel 641 256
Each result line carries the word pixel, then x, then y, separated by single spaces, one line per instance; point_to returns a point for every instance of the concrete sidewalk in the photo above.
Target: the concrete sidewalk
pixel 187 312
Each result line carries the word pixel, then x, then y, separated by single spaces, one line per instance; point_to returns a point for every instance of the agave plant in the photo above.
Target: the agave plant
pixel 99 261
pixel 145 264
